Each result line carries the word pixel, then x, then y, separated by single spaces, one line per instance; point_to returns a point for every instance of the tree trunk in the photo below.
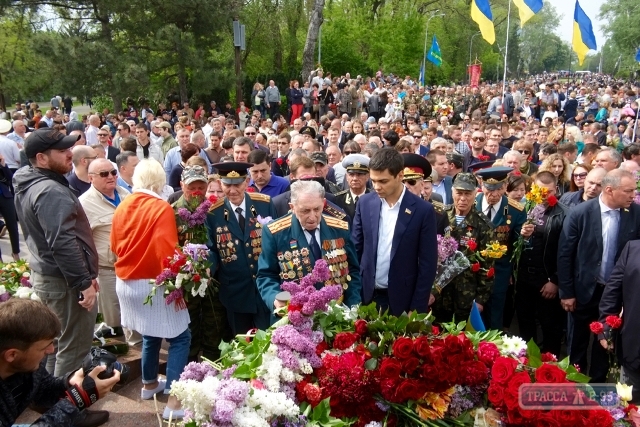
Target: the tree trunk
pixel 117 103
pixel 312 39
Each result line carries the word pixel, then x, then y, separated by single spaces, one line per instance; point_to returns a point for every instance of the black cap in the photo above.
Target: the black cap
pixel 415 166
pixel 232 172
pixel 45 139
pixel 481 165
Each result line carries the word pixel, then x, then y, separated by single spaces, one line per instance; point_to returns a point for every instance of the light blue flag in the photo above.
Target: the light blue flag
pixel 638 55
pixel 434 54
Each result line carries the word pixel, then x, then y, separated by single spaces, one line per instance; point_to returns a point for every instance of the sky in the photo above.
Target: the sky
pixel 565 8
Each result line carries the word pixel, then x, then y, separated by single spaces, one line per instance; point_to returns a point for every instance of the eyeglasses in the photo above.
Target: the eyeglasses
pixel 524 151
pixel 582 175
pixel 120 128
pixel 478 138
pixel 411 182
pixel 417 136
pixel 346 153
pixel 249 133
pixel 102 134
pixel 105 174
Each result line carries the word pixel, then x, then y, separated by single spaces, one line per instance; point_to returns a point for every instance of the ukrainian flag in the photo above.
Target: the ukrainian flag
pixel 527 9
pixel 583 37
pixel 475 323
pixel 481 14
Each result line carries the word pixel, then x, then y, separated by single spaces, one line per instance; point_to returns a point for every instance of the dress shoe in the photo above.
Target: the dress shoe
pixel 174 414
pixel 89 418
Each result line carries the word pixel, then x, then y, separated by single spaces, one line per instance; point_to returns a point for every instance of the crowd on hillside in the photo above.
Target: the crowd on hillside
pixel 397 163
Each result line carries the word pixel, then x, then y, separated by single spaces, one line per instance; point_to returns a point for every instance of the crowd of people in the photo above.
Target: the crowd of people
pixel 362 172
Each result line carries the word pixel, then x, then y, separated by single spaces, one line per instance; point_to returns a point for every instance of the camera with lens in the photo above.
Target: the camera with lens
pixel 101 357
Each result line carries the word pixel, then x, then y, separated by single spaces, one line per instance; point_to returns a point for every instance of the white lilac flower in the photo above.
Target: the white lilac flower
pixel 179 278
pixel 3 290
pixel 35 297
pixel 23 292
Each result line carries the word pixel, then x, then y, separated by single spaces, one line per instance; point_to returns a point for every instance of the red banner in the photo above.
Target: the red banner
pixel 474 74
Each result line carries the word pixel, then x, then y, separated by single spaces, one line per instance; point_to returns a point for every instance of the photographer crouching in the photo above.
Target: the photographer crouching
pixel 27 330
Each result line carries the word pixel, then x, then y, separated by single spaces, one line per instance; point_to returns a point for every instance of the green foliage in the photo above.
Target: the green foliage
pixel 101 102
pixel 320 415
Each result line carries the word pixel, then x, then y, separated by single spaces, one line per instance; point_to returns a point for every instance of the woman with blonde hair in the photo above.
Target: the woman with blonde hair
pixel 143 235
pixel 558 165
pixel 257 98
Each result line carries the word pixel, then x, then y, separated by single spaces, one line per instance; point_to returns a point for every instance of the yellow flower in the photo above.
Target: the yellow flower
pixel 433 406
pixel 624 391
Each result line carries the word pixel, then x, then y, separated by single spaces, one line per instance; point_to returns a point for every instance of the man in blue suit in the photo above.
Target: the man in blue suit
pixel 507 217
pixel 292 244
pixel 235 242
pixel 394 232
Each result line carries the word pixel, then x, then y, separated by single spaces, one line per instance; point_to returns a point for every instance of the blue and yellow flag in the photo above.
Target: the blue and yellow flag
pixel 527 9
pixel 434 54
pixel 475 323
pixel 421 76
pixel 583 37
pixel 481 14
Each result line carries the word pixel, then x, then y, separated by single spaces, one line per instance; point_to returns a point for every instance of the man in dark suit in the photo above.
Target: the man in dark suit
pixel 110 151
pixel 357 167
pixel 442 184
pixel 394 232
pixel 292 245
pixel 593 235
pixel 621 291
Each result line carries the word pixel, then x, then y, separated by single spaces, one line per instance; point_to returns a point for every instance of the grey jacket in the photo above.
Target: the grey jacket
pixel 55 227
pixel 273 94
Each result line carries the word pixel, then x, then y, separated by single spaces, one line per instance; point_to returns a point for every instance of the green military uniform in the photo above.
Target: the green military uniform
pixel 208 324
pixel 235 253
pixel 508 221
pixel 287 256
pixel 353 163
pixel 410 99
pixel 474 101
pixel 425 107
pixel 442 218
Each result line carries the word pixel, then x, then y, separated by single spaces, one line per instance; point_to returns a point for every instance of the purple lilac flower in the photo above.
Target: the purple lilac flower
pixel 264 221
pixel 320 299
pixel 223 411
pixel 288 336
pixel 164 275
pixel 289 360
pixel 461 401
pixel 5 297
pixel 198 371
pixel 233 390
pixel 174 295
pixel 535 215
pixel 447 246
pixel 184 214
pixel 227 373
pixel 289 390
pixel 195 251
pixel 25 282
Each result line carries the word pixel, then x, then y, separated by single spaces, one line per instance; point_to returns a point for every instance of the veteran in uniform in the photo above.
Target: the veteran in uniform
pixel 357 167
pixel 292 244
pixel 508 217
pixel 471 229
pixel 417 170
pixel 208 323
pixel 236 226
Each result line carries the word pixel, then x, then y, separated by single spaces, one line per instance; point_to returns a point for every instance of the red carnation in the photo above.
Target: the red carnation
pixel 475 267
pixel 614 321
pixel 313 394
pixel 503 368
pixel 548 357
pixel 472 245
pixel 361 327
pixel 279 161
pixel 487 353
pixel 596 327
pixel 491 272
pixel 421 347
pixel 435 330
pixel 251 190
pixel 402 348
pixel 344 340
pixel 321 348
pixel 550 374
pixel 196 277
pixel 552 200
pixel 166 263
pixel 213 198
pixel 197 193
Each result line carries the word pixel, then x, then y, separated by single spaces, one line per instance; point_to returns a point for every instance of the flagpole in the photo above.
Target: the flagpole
pixel 424 55
pixel 506 51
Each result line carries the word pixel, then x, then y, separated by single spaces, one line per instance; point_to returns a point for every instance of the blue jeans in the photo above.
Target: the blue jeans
pixel 178 355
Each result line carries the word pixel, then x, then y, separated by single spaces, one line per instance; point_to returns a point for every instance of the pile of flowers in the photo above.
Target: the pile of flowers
pixel 184 275
pixel 325 364
pixel 442 109
pixel 14 281
pixel 538 199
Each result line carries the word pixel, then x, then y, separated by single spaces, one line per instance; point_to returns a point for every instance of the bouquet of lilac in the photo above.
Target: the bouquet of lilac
pixel 184 275
pixel 451 262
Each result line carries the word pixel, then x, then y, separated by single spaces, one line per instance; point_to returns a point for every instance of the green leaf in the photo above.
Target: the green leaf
pixel 243 372
pixel 533 350
pixel 534 362
pixel 564 363
pixel 577 377
pixel 371 364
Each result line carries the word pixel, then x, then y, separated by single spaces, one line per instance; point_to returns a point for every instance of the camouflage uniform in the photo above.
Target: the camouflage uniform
pixel 410 99
pixel 425 107
pixel 457 296
pixel 208 316
pixel 474 101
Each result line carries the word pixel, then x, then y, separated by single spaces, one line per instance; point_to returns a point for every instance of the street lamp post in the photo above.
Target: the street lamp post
pixel 426 33
pixel 470 47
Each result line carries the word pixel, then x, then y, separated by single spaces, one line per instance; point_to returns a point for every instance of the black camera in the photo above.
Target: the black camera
pixel 100 357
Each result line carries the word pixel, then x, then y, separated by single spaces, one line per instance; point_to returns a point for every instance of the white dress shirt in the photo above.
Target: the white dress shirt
pixel 307 235
pixel 494 208
pixel 386 229
pixel 242 206
pixel 610 224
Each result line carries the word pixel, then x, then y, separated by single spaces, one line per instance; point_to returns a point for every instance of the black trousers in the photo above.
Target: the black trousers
pixel 583 315
pixel 8 212
pixel 531 305
pixel 274 108
pixel 634 380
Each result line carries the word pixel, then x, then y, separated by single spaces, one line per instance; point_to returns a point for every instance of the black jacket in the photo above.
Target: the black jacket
pixel 572 198
pixel 552 231
pixel 40 388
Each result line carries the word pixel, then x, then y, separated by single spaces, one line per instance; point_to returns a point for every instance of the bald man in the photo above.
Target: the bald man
pixel 78 179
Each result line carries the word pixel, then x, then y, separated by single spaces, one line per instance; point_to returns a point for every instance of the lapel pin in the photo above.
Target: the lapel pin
pixel 626 210
pixel 407 211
